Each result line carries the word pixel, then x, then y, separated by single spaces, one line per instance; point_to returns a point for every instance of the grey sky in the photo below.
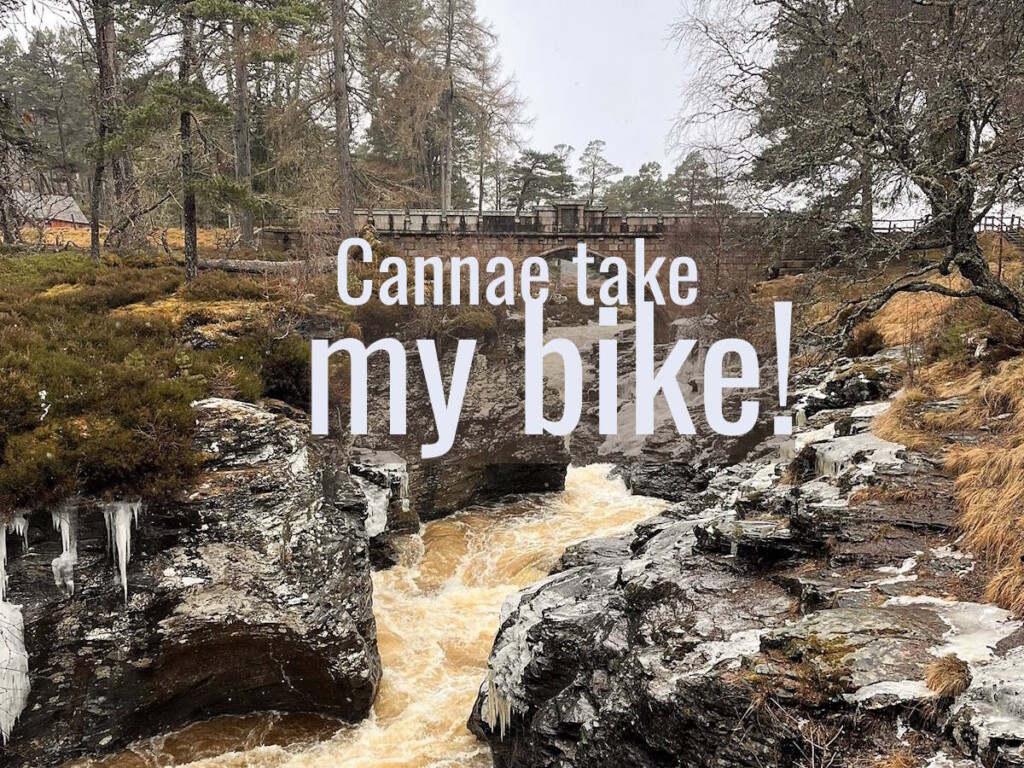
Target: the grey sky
pixel 594 69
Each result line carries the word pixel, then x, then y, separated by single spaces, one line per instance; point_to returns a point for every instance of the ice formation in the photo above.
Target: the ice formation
pixel 377 502
pixel 19 526
pixel 378 473
pixel 65 520
pixel 843 453
pixel 497 709
pixel 3 565
pixel 119 516
pixel 14 683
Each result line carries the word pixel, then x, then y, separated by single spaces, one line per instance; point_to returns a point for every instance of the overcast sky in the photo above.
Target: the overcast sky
pixel 594 69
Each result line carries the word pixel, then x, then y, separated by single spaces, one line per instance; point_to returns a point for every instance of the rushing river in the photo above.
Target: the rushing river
pixel 437 614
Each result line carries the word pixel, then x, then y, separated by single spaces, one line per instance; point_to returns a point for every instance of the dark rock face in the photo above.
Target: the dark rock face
pixel 607 662
pixel 253 593
pixel 491 456
pixel 672 482
pixel 765 620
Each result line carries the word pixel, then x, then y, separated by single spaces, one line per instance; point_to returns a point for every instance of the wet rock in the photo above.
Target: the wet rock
pixel 491 456
pixel 672 482
pixel 763 619
pixel 588 662
pixel 250 593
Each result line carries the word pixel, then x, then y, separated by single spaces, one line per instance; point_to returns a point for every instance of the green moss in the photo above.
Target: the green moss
pixel 98 370
pixel 473 323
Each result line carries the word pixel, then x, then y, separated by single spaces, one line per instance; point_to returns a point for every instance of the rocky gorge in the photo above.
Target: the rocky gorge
pixel 757 602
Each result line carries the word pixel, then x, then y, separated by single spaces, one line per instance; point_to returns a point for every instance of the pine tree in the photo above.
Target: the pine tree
pixel 595 172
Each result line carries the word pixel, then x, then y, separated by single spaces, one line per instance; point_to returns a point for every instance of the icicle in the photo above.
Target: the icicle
pixel 14 682
pixel 497 709
pixel 118 517
pixel 19 526
pixel 65 520
pixel 3 565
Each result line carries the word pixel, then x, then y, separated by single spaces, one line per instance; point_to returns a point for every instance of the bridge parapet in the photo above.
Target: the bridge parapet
pixel 557 219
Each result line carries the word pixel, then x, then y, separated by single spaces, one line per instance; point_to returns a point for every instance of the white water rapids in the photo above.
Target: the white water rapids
pixel 437 614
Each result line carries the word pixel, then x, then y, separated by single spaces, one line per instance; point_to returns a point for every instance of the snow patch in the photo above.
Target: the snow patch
pixel 870 411
pixel 974 629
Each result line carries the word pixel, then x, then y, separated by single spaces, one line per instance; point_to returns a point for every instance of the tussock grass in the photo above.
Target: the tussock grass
pixel 948 677
pixel 990 482
pixel 886 495
pixel 903 423
pixel 902 759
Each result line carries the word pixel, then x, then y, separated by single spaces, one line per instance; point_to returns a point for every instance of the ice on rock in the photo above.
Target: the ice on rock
pixel 871 410
pixel 975 629
pixel 119 516
pixel 865 449
pixel 3 565
pixel 19 527
pixel 65 520
pixel 508 661
pixel 14 682
pixel 377 502
pixel 383 478
pixel 941 760
pixel 995 700
pixel 792 448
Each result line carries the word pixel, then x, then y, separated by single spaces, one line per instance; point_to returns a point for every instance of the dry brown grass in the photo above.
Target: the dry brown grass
pixel 909 318
pixel 990 493
pixel 902 759
pixel 887 495
pixel 990 481
pixel 948 677
pixel 209 240
pixel 903 423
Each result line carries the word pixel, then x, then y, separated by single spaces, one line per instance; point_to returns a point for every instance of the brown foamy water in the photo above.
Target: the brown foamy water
pixel 437 614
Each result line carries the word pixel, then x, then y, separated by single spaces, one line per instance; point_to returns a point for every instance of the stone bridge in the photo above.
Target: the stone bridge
pixel 553 231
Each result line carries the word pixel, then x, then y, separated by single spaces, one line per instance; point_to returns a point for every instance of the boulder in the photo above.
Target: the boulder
pixel 250 593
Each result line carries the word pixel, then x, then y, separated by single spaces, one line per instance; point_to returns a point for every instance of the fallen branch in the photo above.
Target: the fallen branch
pixel 252 266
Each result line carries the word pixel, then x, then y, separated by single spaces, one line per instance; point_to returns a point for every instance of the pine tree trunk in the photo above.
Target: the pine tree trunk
pixel 8 219
pixel 126 192
pixel 243 151
pixel 480 197
pixel 96 194
pixel 448 166
pixel 342 128
pixel 185 133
